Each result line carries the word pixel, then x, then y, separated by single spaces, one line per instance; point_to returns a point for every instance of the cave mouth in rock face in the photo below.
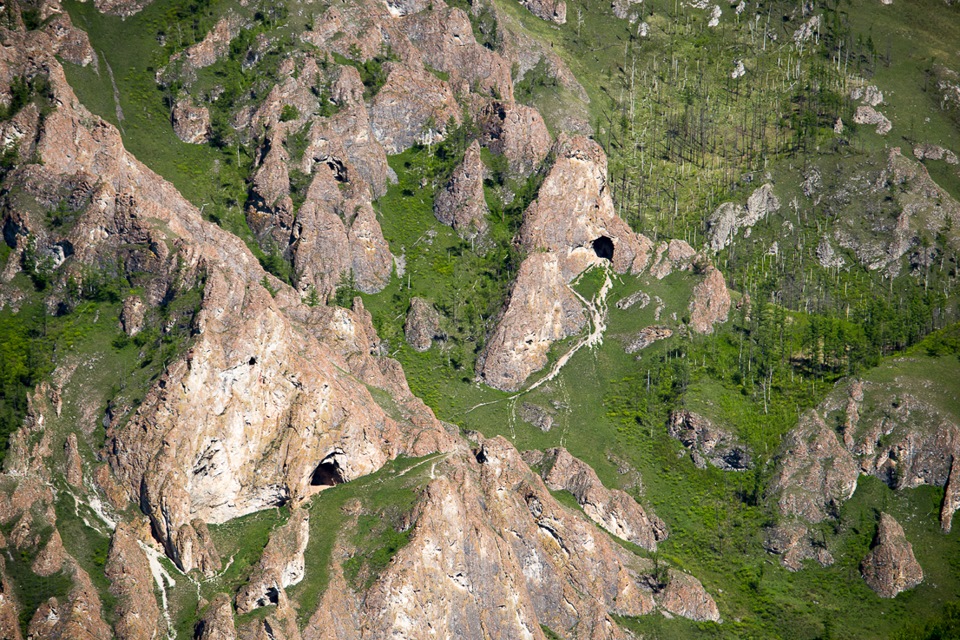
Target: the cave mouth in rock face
pixel 327 473
pixel 603 247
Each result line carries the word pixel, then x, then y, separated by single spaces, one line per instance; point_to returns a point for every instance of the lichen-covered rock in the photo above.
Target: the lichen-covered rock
pixel 675 255
pixel 214 45
pixel 516 132
pixel 612 509
pixel 493 554
pixel 684 596
pixel 217 622
pixel 551 10
pixel 729 218
pixel 870 116
pixel 815 473
pixel 78 615
pixel 423 324
pixel 132 315
pixel 891 567
pixel 123 8
pixel 414 106
pixel 710 302
pixel 74 467
pixel 794 543
pixel 707 442
pixel 281 564
pixel 541 310
pixel 9 614
pixel 461 203
pixel 571 226
pixel 444 37
pixel 131 582
pixel 646 337
pixel 934 152
pixel 190 122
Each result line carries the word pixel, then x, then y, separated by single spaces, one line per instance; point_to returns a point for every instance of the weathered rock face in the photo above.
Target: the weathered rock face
pixel 423 324
pixel 217 622
pixel 190 122
pixel 215 45
pixel 574 209
pixel 710 303
pixel 614 510
pixel 492 553
pixel 815 473
pixel 132 315
pixel 516 132
pixel 552 10
pixel 280 566
pixel 729 218
pixel 78 616
pixel 935 152
pixel 684 596
pixel 128 569
pixel 870 116
pixel 244 420
pixel 675 255
pixel 795 543
pixel 646 337
pixel 461 203
pixel 542 309
pixel 124 8
pixel 414 106
pixel 571 226
pixel 890 567
pixel 707 442
pixel 445 39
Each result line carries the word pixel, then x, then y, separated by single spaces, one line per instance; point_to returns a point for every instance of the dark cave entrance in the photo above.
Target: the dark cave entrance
pixel 327 473
pixel 603 247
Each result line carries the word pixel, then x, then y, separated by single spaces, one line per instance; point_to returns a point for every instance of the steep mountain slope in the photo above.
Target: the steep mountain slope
pixel 288 287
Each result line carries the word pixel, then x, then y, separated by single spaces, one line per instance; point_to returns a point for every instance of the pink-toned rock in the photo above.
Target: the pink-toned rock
pixel 414 106
pixel 815 473
pixel 710 303
pixel 190 122
pixel 612 509
pixel 516 132
pixel 891 567
pixel 551 10
pixel 132 583
pixel 461 203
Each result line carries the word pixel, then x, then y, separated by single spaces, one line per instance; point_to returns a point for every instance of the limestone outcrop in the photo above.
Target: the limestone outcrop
pixel 815 473
pixel 516 132
pixel 423 324
pixel 891 567
pixel 729 218
pixel 190 122
pixel 461 202
pixel 138 615
pixel 571 226
pixel 710 302
pixel 707 442
pixel 492 552
pixel 281 565
pixel 612 509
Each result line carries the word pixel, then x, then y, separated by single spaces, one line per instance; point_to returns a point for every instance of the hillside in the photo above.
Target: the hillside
pixel 403 319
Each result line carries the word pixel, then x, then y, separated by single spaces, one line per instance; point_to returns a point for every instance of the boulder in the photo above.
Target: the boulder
pixel 710 302
pixel 461 203
pixel 190 122
pixel 423 324
pixel 891 567
pixel 707 442
pixel 870 116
